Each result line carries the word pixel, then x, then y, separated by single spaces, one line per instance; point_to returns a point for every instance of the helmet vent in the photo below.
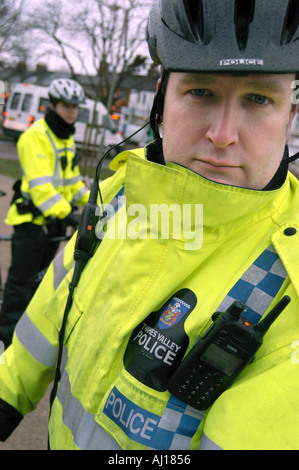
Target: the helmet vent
pixel 194 12
pixel 291 23
pixel 244 10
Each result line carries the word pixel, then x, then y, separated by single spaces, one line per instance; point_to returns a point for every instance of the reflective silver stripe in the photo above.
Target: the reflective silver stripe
pixel 59 269
pixel 56 172
pixel 66 149
pixel 87 434
pixel 39 181
pixel 49 179
pixel 207 444
pixel 69 181
pixel 35 342
pixel 80 194
pixel 50 202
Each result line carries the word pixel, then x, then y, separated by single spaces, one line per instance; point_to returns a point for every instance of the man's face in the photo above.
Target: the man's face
pixel 231 129
pixel 68 112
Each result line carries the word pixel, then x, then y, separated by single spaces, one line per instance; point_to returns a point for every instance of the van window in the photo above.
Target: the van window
pixel 83 115
pixel 43 104
pixel 15 101
pixel 27 101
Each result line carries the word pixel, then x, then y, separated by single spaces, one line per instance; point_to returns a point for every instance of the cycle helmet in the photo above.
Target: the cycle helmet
pixel 225 35
pixel 66 90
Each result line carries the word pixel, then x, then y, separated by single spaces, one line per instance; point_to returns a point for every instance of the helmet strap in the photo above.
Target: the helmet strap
pixel 292 158
pixel 281 173
pixel 158 105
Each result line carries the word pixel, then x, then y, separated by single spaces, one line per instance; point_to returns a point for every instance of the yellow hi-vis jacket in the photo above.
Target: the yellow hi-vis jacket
pixel 105 398
pixel 50 187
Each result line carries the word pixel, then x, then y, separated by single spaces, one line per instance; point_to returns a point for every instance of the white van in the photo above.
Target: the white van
pixel 27 103
pixel 135 116
pixel 130 126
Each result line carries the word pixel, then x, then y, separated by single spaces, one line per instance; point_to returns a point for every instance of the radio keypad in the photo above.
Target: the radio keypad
pixel 199 386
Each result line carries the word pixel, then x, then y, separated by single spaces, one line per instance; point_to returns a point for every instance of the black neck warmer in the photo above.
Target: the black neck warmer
pixel 62 129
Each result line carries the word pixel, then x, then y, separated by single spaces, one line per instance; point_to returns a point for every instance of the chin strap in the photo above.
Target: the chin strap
pixel 291 159
pixel 158 105
pixel 281 174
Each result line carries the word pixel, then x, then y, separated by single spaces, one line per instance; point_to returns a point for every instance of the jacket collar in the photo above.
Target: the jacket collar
pixel 226 209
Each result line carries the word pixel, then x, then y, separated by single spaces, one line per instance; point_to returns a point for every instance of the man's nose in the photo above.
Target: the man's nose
pixel 224 125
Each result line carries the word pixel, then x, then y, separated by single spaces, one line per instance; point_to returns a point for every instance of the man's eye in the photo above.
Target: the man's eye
pixel 200 92
pixel 260 99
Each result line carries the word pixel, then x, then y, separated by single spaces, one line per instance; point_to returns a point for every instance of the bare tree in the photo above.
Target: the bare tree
pixel 109 32
pixel 47 26
pixel 12 49
pixel 114 30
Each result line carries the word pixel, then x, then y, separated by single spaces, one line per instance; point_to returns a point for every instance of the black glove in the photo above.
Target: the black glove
pixel 73 220
pixel 55 227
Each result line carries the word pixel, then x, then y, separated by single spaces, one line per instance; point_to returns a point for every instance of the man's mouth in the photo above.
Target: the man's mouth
pixel 217 164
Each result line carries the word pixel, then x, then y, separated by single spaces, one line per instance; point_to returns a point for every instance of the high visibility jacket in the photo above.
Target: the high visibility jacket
pixel 50 180
pixel 119 351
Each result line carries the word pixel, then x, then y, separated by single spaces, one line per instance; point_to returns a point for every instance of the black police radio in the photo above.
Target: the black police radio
pixel 219 356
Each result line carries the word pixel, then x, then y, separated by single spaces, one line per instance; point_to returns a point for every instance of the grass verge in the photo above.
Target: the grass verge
pixel 13 169
pixel 10 168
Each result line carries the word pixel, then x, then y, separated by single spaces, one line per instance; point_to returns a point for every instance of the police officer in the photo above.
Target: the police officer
pixel 44 198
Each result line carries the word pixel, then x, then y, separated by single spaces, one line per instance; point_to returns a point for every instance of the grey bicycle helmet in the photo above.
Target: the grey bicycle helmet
pixel 66 90
pixel 225 35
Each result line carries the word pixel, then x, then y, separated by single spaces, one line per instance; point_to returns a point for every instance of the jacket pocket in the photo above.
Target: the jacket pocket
pixel 130 412
pixel 138 417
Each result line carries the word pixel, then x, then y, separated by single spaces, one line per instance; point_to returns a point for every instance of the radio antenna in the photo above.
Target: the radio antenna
pixel 264 325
